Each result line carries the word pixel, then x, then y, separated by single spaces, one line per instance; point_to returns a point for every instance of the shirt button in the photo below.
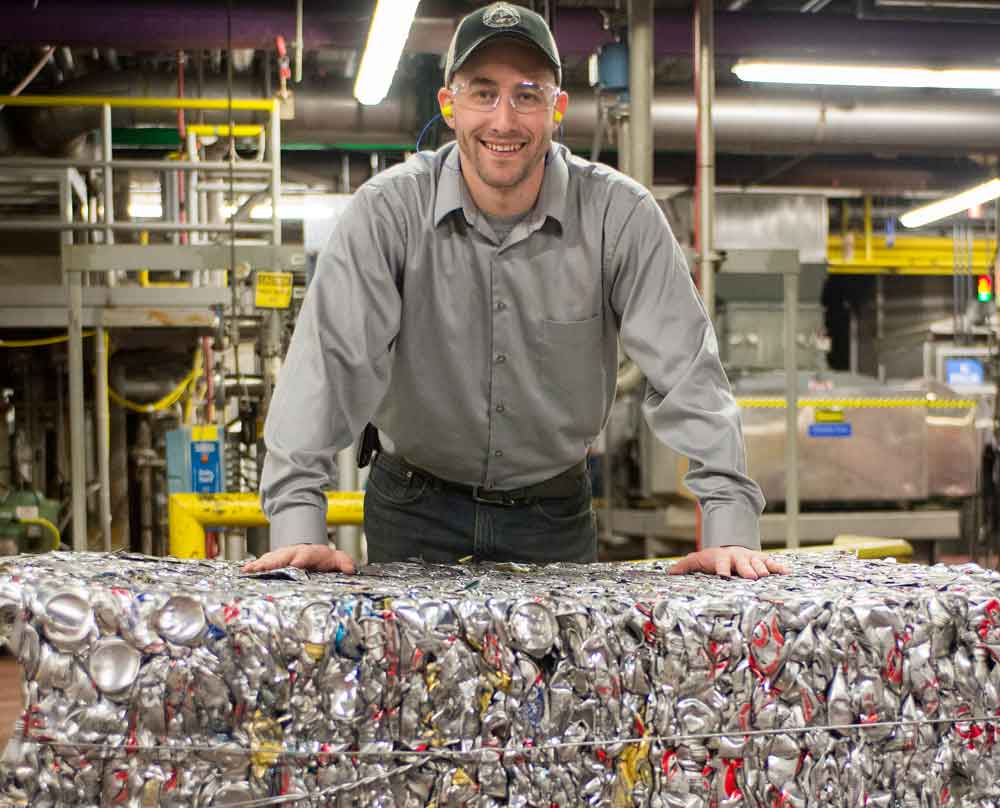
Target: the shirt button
pixel 501 305
pixel 501 358
pixel 498 453
pixel 500 407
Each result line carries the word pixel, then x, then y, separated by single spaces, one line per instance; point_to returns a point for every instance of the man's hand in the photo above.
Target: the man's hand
pixel 316 557
pixel 726 560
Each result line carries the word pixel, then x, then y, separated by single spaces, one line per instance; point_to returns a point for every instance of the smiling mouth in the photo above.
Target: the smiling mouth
pixel 503 148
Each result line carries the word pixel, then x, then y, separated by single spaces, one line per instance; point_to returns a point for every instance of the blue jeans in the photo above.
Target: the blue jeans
pixel 408 515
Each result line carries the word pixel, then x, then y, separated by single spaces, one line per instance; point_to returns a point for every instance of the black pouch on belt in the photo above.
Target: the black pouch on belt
pixel 368 445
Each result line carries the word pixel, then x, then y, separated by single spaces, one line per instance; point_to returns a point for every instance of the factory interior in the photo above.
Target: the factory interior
pixel 171 170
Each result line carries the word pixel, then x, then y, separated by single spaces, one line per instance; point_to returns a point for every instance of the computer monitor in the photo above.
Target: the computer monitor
pixel 962 371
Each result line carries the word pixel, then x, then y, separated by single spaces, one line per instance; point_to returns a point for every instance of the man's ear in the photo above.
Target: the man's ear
pixel 446 104
pixel 559 111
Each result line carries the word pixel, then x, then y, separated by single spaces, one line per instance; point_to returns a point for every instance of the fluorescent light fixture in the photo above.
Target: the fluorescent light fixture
pixel 867 75
pixel 386 37
pixel 943 208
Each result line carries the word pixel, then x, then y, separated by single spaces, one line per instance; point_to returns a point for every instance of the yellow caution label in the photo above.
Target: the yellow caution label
pixel 274 290
pixel 829 416
pixel 209 432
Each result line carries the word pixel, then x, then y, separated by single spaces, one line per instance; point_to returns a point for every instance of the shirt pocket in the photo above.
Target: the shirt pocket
pixel 573 363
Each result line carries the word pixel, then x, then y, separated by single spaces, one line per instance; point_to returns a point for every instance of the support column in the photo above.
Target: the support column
pixel 640 59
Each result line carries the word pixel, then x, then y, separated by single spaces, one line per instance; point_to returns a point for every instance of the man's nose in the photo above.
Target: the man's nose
pixel 504 115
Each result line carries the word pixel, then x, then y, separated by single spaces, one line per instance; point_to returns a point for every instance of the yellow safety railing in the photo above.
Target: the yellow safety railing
pixel 862 547
pixel 190 514
pixel 867 547
pixel 222 130
pixel 905 255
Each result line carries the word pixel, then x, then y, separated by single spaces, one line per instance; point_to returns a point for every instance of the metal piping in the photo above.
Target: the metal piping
pixel 78 459
pixel 704 90
pixel 745 120
pixel 640 58
pixel 103 407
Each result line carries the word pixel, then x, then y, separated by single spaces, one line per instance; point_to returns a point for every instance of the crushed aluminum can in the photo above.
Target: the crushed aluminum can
pixel 113 665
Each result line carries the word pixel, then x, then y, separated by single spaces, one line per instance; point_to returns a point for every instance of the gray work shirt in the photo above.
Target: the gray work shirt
pixel 492 363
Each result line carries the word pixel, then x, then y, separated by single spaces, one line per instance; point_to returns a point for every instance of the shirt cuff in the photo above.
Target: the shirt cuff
pixel 728 524
pixel 301 524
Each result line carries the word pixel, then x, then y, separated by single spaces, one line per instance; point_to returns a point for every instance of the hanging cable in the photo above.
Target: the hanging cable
pixel 168 400
pixel 37 343
pixel 46 55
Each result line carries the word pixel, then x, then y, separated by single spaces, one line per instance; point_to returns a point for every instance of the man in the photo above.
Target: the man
pixel 469 304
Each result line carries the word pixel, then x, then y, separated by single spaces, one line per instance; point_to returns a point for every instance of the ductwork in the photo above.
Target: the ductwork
pixel 192 24
pixel 746 121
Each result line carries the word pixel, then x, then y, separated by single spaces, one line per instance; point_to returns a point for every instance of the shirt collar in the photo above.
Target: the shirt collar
pixel 551 199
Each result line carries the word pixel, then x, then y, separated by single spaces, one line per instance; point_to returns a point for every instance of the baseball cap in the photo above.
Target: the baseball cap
pixel 500 19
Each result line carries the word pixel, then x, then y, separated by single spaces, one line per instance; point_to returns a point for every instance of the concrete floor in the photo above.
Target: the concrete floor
pixel 10 696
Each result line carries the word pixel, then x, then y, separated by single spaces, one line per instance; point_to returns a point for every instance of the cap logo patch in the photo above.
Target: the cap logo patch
pixel 501 15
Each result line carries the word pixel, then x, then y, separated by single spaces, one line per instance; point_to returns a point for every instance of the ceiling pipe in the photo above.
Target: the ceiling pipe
pixel 745 121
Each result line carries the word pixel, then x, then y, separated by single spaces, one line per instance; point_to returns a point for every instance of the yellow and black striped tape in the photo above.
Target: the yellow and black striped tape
pixel 860 403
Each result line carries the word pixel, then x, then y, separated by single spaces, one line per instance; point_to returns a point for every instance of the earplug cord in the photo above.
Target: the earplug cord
pixel 427 126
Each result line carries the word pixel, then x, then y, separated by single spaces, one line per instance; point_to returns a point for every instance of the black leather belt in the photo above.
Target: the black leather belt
pixel 563 485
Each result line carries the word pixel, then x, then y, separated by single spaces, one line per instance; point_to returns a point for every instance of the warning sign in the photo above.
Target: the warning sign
pixel 274 290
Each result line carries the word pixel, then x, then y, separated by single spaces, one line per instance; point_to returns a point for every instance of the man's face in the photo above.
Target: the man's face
pixel 503 147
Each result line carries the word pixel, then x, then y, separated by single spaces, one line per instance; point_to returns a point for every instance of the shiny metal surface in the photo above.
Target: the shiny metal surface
pixel 761 221
pixel 751 336
pixel 891 454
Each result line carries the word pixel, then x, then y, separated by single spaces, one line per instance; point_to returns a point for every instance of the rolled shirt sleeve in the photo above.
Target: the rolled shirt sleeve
pixel 336 370
pixel 688 402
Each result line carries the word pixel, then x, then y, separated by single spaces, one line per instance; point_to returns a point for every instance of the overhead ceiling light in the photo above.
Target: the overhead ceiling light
pixel 943 208
pixel 867 75
pixel 386 37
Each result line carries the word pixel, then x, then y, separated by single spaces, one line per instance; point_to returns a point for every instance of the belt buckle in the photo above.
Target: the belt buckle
pixel 492 497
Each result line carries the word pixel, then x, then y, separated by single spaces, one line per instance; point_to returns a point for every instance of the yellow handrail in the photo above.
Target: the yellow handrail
pixel 130 102
pixel 190 514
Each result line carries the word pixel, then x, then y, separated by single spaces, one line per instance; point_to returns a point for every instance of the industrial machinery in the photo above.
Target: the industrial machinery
pixel 896 457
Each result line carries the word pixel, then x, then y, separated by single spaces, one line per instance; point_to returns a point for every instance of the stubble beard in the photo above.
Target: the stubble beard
pixel 502 180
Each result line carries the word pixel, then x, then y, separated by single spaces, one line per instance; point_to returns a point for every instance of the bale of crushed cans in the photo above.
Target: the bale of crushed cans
pixel 160 682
